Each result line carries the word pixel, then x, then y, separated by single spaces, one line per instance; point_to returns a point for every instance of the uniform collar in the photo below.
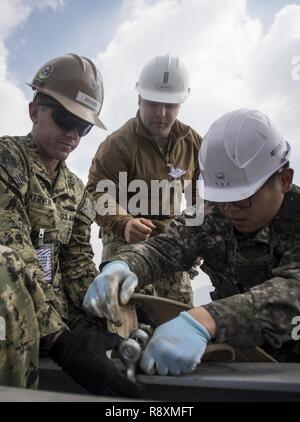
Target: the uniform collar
pixel 36 163
pixel 37 167
pixel 263 235
pixel 60 186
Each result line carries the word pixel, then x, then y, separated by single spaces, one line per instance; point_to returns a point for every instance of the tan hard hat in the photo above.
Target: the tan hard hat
pixel 75 83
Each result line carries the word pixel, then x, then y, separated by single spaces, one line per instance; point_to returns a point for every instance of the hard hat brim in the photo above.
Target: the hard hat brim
pixel 78 110
pixel 162 97
pixel 229 194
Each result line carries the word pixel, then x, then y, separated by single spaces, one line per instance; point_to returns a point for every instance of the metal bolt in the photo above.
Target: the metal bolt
pixel 130 351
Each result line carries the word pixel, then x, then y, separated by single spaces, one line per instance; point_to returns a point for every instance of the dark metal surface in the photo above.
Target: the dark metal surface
pixel 8 394
pixel 246 376
pixel 229 382
pixel 211 382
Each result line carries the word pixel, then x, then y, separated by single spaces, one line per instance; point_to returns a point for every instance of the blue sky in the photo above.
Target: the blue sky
pixel 84 26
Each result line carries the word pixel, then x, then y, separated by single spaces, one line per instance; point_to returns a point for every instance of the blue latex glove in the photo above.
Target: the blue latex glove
pixel 176 347
pixel 102 297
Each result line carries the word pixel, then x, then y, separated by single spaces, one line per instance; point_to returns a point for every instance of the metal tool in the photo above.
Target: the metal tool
pixel 131 349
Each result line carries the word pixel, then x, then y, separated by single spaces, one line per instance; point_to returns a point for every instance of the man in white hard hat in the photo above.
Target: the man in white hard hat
pixel 249 241
pixel 46 260
pixel 153 146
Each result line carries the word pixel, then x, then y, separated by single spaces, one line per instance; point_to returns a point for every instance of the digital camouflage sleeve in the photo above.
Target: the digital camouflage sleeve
pixel 257 297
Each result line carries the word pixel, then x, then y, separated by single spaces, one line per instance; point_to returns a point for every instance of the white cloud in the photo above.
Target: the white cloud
pixel 214 39
pixel 197 31
pixel 13 12
pixel 2 69
pixel 14 116
pixel 269 73
pixel 232 62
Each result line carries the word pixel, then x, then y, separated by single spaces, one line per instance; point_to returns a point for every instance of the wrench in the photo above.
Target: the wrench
pixel 130 351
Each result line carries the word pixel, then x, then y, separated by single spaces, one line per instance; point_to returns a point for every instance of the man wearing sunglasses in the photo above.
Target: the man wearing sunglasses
pixel 46 257
pixel 249 241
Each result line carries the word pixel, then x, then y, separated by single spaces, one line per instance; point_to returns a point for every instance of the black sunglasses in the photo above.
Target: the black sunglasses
pixel 68 121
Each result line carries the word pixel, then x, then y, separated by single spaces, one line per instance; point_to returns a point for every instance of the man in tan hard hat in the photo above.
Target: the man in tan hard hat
pixel 249 241
pixel 152 147
pixel 46 257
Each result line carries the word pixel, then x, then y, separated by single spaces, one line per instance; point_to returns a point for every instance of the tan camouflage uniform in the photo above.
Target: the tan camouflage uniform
pixel 28 203
pixel 256 276
pixel 133 150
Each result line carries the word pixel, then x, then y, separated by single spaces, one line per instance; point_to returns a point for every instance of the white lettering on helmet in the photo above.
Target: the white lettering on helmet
pixel 164 87
pixel 88 101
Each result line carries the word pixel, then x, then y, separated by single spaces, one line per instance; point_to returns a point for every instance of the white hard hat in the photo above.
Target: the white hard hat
pixel 164 80
pixel 240 151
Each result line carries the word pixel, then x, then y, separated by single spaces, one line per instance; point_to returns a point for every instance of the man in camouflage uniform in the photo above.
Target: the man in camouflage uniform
pixel 45 217
pixel 152 146
pixel 250 246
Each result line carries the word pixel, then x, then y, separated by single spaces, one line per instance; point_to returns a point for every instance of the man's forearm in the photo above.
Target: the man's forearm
pixel 205 318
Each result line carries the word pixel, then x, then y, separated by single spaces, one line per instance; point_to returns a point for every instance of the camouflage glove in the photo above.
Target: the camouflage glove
pixel 177 346
pixel 83 357
pixel 102 297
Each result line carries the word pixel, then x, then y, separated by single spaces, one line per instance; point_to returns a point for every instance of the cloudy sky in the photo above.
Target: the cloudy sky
pixel 239 53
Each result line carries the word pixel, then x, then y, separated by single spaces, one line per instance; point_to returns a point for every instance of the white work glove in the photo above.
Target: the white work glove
pixel 176 346
pixel 102 297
